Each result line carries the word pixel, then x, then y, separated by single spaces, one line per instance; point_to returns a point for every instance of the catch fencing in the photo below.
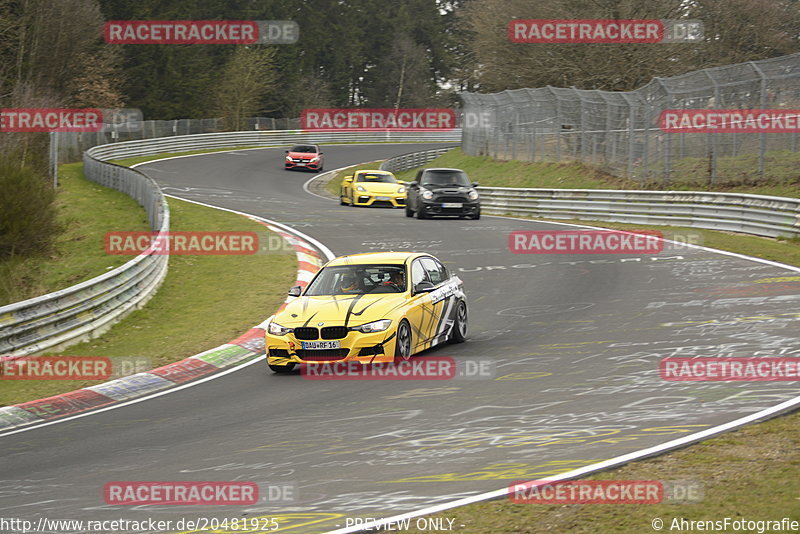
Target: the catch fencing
pixel 619 131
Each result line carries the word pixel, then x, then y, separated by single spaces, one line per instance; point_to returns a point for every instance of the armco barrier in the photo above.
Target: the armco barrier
pixel 413 159
pixel 750 214
pixel 87 309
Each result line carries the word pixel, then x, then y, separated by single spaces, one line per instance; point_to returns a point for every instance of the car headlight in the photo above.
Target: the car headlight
pixel 313 160
pixel 401 190
pixel 288 158
pixel 473 195
pixel 375 326
pixel 277 330
pixel 361 188
pixel 427 195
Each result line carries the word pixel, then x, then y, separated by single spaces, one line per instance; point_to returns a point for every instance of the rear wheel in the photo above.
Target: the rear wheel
pixel 459 332
pixel 341 198
pixel 280 369
pixel 402 348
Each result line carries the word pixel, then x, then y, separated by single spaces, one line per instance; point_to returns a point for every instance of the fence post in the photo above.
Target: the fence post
pixel 762 137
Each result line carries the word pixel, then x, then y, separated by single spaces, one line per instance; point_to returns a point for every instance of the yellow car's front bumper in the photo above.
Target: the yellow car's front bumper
pixel 356 346
pixel 396 200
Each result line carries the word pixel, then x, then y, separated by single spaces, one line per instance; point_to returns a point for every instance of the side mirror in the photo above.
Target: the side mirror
pixel 413 184
pixel 319 153
pixel 295 291
pixel 347 179
pixel 423 287
pixel 286 151
pixel 475 184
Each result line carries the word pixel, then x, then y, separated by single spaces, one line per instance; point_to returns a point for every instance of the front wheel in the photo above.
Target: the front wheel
pixel 459 332
pixel 476 216
pixel 402 348
pixel 281 369
pixel 421 212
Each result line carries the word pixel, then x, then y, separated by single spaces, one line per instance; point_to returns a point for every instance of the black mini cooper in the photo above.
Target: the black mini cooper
pixel 440 191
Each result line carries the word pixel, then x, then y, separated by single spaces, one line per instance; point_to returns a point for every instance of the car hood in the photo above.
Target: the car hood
pixel 302 154
pixel 338 310
pixel 379 187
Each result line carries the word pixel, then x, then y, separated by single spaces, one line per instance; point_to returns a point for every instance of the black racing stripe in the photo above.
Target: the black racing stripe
pixel 309 319
pixel 357 313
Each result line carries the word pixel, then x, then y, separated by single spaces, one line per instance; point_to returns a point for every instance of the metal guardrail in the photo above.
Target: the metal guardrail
pixel 183 143
pixel 87 309
pixel 412 160
pixel 750 214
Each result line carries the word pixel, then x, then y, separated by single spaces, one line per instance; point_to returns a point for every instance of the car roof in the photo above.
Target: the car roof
pixel 394 258
pixel 442 169
pixel 377 171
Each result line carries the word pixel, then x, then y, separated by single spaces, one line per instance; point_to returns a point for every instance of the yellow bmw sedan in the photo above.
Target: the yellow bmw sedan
pixel 376 307
pixel 372 188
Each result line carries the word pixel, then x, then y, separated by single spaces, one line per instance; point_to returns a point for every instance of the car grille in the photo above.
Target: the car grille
pixel 279 353
pixel 451 199
pixel 306 332
pixel 334 332
pixel 323 355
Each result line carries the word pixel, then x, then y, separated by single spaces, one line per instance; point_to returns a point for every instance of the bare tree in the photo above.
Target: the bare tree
pixel 246 79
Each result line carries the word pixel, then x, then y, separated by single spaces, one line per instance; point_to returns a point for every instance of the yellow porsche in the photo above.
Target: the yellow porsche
pixel 375 307
pixel 372 188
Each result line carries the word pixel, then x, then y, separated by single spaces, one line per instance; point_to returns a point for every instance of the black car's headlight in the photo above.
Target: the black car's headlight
pixel 473 195
pixel 375 326
pixel 277 330
pixel 426 194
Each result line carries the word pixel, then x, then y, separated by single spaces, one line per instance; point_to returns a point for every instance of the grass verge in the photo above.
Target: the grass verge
pixel 86 211
pixel 238 292
pixel 750 473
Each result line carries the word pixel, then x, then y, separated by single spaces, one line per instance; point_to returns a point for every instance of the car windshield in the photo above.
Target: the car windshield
pixel 445 178
pixel 304 148
pixel 376 178
pixel 358 280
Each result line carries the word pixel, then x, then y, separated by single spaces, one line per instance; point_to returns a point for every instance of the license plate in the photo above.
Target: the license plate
pixel 452 205
pixel 321 345
pixel 300 164
pixel 382 198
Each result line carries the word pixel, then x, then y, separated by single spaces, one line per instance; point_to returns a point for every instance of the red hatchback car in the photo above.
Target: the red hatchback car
pixel 304 157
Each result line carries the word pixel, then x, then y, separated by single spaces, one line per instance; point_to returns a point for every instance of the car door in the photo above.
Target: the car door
pixel 421 314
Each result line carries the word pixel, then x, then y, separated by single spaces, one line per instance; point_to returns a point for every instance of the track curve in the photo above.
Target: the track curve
pixel 576 341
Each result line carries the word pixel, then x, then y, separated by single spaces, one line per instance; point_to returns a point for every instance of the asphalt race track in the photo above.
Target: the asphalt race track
pixel 574 342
